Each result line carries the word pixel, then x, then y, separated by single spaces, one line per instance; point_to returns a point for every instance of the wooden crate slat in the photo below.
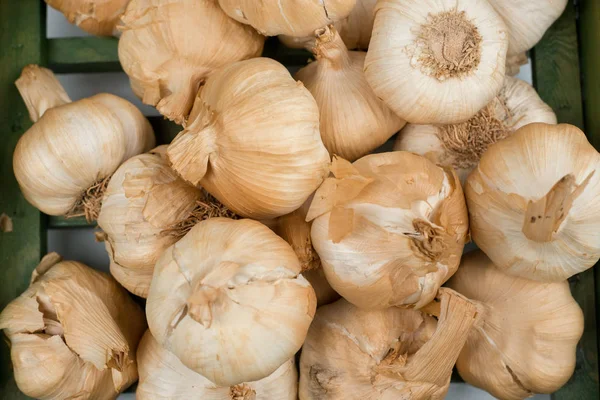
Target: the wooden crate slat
pixel 83 54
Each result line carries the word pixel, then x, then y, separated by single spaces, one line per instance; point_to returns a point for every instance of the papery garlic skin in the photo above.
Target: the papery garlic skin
pixel 287 17
pixel 534 203
pixel 166 67
pixel 389 229
pixel 461 146
pixel 73 332
pixel 229 301
pixel 526 341
pixel 253 140
pixel 98 17
pixel 353 121
pixel 436 61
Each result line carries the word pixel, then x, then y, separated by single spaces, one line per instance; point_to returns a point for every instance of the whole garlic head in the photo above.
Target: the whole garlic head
pixel 460 146
pixel 534 203
pixel 389 229
pixel 526 340
pixel 98 17
pixel 229 301
pixel 436 61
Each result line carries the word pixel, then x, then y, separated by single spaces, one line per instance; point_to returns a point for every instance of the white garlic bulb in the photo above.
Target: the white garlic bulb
pixel 98 17
pixel 63 162
pixel 436 61
pixel 526 340
pixel 389 229
pixel 229 301
pixel 253 140
pixel 534 203
pixel 168 48
pixel 460 146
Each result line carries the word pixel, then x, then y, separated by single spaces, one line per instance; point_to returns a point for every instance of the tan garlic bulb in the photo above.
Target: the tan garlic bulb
pixel 534 203
pixel 73 333
pixel 460 146
pixel 394 353
pixel 163 376
pixel 253 140
pixel 436 61
pixel 515 62
pixel 389 229
pixel 98 17
pixel 354 122
pixel 526 340
pixel 64 161
pixel 168 48
pixel 229 301
pixel 287 17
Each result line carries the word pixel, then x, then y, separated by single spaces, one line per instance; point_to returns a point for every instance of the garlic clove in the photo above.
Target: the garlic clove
pixel 98 17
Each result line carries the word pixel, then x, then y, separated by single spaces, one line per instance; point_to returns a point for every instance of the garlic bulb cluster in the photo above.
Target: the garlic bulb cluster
pixel 354 121
pixel 515 354
pixel 253 140
pixel 56 161
pixel 98 17
pixel 163 376
pixel 460 146
pixel 287 17
pixel 436 61
pixel 229 301
pixel 169 47
pixel 394 353
pixel 534 203
pixel 389 229
pixel 72 333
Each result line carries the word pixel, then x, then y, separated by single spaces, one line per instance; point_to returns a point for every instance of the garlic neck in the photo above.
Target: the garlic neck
pixel 330 48
pixel 177 96
pixel 40 91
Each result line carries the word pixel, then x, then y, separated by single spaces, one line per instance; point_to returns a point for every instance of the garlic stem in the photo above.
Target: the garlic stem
pixel 330 47
pixel 40 91
pixel 181 90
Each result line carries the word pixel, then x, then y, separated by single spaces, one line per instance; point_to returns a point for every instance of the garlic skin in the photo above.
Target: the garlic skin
pixel 165 67
pixel 72 333
pixel 460 146
pixel 73 147
pixel 436 61
pixel 284 17
pixel 229 301
pixel 98 17
pixel 534 203
pixel 389 229
pixel 394 353
pixel 253 140
pixel 353 121
pixel 163 376
pixel 526 340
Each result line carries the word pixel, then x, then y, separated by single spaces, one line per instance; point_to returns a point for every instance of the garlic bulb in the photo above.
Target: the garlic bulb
pixel 98 17
pixel 163 376
pixel 354 122
pixel 229 301
pixel 534 203
pixel 436 61
pixel 63 162
pixel 526 340
pixel 461 145
pixel 73 333
pixel 394 353
pixel 514 63
pixel 389 229
pixel 253 140
pixel 287 17
pixel 169 47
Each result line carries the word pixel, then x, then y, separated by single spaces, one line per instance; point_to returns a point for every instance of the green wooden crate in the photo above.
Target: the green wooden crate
pixel 566 68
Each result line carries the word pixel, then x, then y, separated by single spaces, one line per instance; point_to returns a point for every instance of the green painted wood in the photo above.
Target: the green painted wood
pixel 21 42
pixel 64 223
pixel 83 54
pixel 164 129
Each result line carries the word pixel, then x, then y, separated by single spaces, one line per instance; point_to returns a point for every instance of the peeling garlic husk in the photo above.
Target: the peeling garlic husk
pixel 525 342
pixel 165 66
pixel 98 17
pixel 253 140
pixel 163 376
pixel 63 162
pixel 461 146
pixel 436 61
pixel 229 301
pixel 394 353
pixel 534 203
pixel 73 333
pixel 354 122
pixel 389 229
